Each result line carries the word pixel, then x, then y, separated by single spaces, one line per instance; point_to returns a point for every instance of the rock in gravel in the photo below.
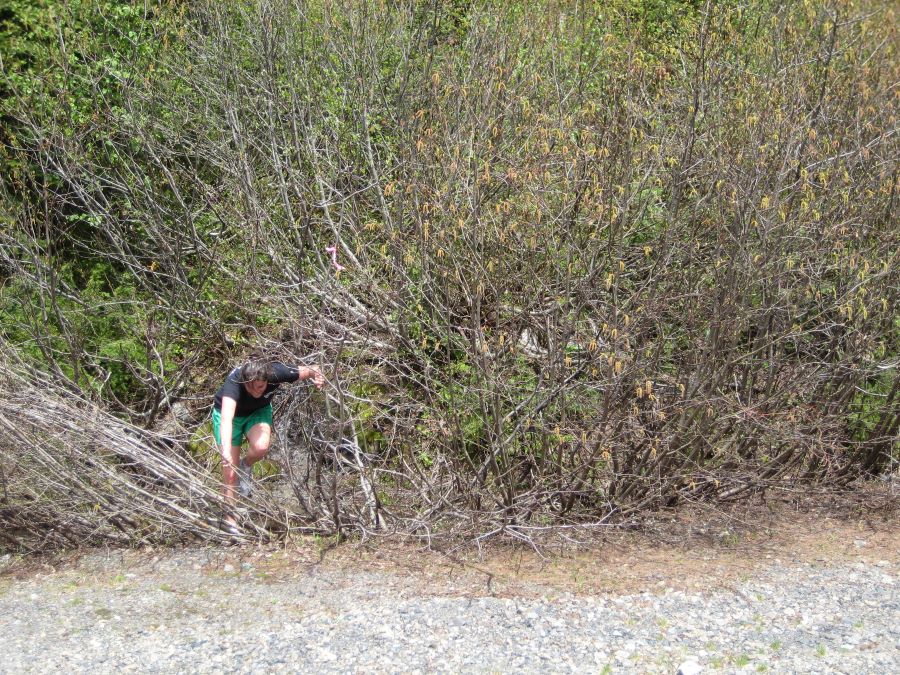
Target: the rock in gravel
pixel 690 668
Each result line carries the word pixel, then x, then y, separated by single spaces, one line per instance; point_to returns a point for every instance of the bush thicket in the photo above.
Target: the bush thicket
pixel 591 259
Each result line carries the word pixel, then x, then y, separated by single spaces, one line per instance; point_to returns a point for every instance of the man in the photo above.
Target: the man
pixel 242 409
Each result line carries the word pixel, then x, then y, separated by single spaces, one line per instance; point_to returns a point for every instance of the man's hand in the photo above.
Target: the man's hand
pixel 314 374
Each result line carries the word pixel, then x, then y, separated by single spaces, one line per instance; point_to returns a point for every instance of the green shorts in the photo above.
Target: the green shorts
pixel 241 425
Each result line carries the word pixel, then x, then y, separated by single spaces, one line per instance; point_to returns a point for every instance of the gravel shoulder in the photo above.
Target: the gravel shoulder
pixel 812 595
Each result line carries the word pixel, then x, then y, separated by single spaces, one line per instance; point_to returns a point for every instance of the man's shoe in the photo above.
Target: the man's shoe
pixel 245 479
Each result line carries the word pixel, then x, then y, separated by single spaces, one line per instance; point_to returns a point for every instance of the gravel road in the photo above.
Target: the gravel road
pixel 238 610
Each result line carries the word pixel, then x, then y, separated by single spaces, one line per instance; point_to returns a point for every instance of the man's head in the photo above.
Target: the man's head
pixel 255 375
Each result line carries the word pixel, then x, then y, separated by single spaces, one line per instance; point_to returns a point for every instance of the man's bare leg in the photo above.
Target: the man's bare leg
pixel 230 480
pixel 259 435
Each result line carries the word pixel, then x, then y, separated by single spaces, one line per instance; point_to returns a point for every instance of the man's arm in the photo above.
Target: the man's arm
pixel 283 373
pixel 311 373
pixel 229 405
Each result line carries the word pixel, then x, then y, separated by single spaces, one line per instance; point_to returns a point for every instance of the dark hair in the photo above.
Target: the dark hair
pixel 257 368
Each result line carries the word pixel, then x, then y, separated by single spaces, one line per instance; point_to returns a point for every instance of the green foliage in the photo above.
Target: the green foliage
pixel 869 406
pixel 27 35
pixel 103 320
pixel 266 468
pixel 367 411
pixel 202 446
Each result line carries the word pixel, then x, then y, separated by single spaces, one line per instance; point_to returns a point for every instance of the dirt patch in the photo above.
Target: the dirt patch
pixel 708 554
pixel 690 550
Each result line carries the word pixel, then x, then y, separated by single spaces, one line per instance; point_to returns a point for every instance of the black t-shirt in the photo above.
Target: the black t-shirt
pixel 246 404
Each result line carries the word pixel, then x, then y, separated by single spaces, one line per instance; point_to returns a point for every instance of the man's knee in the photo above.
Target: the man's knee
pixel 259 438
pixel 259 448
pixel 259 445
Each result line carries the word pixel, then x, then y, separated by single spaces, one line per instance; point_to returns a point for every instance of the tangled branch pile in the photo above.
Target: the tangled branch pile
pixel 589 260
